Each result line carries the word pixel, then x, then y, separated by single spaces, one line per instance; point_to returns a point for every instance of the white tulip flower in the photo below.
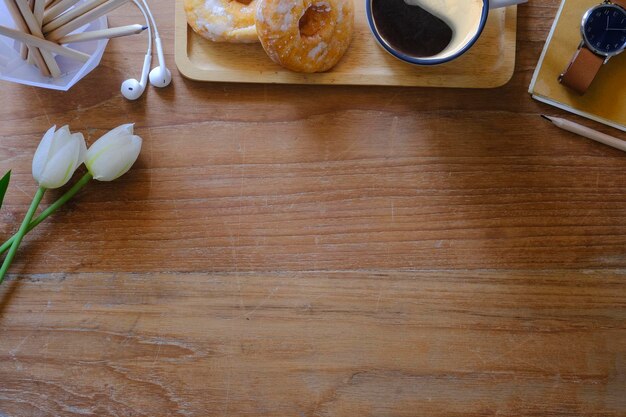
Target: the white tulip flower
pixel 113 154
pixel 58 155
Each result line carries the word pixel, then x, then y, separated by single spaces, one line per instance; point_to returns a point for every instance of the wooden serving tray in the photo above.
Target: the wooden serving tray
pixel 488 64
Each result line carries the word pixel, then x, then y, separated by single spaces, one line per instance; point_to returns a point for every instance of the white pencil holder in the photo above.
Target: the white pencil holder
pixel 14 69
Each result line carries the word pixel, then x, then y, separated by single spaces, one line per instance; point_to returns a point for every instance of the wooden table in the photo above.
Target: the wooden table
pixel 317 251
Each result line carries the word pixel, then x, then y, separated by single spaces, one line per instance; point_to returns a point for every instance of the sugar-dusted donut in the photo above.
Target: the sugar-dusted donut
pixel 305 35
pixel 223 20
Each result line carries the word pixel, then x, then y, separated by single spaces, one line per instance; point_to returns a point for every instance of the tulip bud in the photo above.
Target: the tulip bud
pixel 113 154
pixel 58 155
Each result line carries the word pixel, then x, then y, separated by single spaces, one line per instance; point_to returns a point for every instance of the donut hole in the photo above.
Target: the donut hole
pixel 314 19
pixel 244 2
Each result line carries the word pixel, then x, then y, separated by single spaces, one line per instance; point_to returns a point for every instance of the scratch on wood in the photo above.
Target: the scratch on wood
pixel 17 348
pixel 22 191
pixel 238 237
pixel 380 294
pixel 228 378
pixel 392 135
pixel 13 353
pixel 156 357
pixel 42 106
pixel 150 158
pixel 262 303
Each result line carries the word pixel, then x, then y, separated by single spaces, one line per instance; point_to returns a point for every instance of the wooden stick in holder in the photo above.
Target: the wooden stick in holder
pixel 30 58
pixel 35 30
pixel 38 11
pixel 24 51
pixel 71 15
pixel 35 6
pixel 83 19
pixel 21 24
pixel 58 8
pixel 34 41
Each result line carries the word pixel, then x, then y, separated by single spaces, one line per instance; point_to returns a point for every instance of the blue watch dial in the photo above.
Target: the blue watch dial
pixel 605 29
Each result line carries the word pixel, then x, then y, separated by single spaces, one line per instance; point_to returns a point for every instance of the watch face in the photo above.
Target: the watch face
pixel 604 29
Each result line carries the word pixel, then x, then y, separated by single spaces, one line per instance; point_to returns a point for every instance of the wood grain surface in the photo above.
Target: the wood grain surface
pixel 317 251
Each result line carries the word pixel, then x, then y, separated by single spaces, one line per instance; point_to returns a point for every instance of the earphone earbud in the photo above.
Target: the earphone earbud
pixel 133 89
pixel 160 76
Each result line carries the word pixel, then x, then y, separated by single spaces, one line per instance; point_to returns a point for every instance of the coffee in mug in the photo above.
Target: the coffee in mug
pixel 429 32
pixel 409 28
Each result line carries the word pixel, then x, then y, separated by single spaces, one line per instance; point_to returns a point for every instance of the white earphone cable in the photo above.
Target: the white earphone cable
pixel 149 12
pixel 148 23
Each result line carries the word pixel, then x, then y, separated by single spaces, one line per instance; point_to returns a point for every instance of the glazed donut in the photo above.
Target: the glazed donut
pixel 223 20
pixel 305 35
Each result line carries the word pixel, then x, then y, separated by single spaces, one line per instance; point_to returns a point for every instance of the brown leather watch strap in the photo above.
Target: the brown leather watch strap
pixel 582 70
pixel 620 3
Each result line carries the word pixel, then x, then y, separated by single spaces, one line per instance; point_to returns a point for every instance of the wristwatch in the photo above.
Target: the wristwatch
pixel 603 30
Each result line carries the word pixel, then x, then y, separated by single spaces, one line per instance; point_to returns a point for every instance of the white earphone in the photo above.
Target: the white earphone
pixel 133 89
pixel 159 76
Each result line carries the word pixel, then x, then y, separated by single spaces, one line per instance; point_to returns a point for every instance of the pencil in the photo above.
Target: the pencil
pixel 34 41
pixel 24 51
pixel 56 9
pixel 70 15
pixel 83 19
pixel 35 30
pixel 21 24
pixel 15 15
pixel 38 10
pixel 37 7
pixel 31 5
pixel 30 58
pixel 587 132
pixel 103 34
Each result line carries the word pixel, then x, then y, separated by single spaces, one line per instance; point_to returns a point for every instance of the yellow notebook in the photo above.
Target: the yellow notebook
pixel 605 101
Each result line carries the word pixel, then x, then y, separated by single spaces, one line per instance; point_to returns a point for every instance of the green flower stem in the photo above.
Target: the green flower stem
pixel 21 232
pixel 50 210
